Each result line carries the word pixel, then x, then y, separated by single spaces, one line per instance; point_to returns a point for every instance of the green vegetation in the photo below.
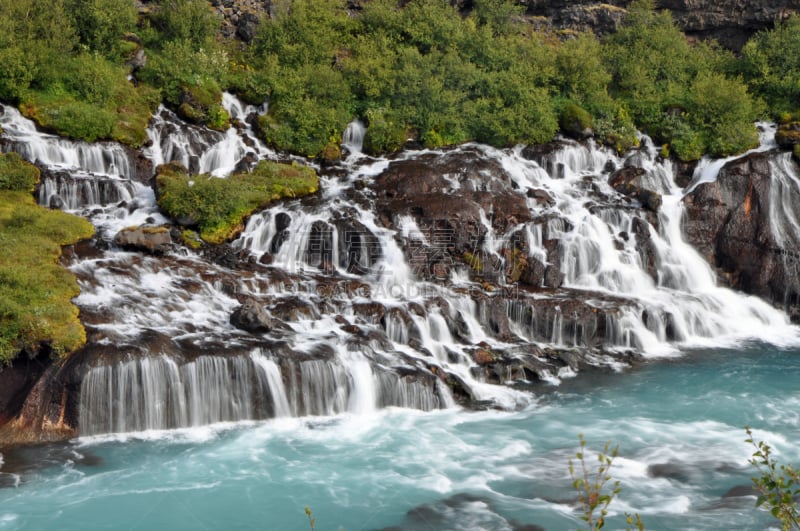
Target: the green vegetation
pixel 35 291
pixel 185 61
pixel 678 93
pixel 422 72
pixel 218 207
pixel 778 486
pixel 17 175
pixel 771 66
pixel 62 61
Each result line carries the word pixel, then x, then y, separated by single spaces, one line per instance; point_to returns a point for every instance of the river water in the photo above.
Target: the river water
pixel 678 423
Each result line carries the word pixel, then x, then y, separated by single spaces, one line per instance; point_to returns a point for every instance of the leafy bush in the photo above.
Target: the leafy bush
pixel 185 20
pixel 666 74
pixel 218 207
pixel 100 24
pixel 771 65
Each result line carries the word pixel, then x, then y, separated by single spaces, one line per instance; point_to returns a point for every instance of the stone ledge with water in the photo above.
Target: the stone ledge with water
pixel 468 277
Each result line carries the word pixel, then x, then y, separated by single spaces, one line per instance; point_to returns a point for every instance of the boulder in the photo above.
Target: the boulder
pixel 628 181
pixel 146 238
pixel 247 26
pixel 788 135
pixel 252 317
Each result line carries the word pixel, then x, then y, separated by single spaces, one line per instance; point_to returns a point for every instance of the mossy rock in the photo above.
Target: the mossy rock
pixel 576 122
pixel 202 104
pixel 788 135
pixel 35 291
pixel 218 207
pixel 191 239
pixel 796 152
pixel 332 152
pixel 16 174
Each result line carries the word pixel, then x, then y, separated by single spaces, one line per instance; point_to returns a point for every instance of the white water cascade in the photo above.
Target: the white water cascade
pixel 361 321
pixel 159 393
pixel 353 136
pixel 102 158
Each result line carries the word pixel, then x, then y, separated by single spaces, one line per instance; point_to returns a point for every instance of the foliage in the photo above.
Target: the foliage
pixel 771 65
pixel 779 486
pixel 100 24
pixel 35 291
pixel 65 71
pixel 218 207
pixel 423 72
pixel 677 92
pixel 592 486
pixel 16 174
pixel 185 20
pixel 312 522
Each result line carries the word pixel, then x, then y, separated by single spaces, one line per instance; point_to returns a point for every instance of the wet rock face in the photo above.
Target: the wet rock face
pixel 738 224
pixel 454 199
pixel 252 317
pixel 16 381
pixel 628 181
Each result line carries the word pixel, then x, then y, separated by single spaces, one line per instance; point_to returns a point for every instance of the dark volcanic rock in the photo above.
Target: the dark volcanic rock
pixel 451 197
pixel 16 381
pixel 252 317
pixel 738 223
pixel 731 22
pixel 628 181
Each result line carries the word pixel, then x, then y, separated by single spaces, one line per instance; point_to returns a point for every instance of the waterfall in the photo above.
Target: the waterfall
pixel 74 191
pixel 362 321
pixel 157 393
pixel 353 137
pixel 102 158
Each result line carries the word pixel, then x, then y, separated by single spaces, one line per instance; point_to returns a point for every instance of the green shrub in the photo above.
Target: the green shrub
pixel 185 20
pixel 386 131
pixel 17 175
pixel 771 65
pixel 219 207
pixel 35 291
pixel 101 24
pixel 778 486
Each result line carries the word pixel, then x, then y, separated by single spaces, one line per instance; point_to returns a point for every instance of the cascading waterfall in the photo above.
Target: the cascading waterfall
pixel 159 393
pixel 73 191
pixel 103 158
pixel 367 329
pixel 353 136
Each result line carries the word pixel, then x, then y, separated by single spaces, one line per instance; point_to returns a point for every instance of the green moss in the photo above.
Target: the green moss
pixel 201 104
pixel 16 174
pixel 796 152
pixel 219 207
pixel 474 262
pixel 191 239
pixel 122 114
pixel 575 120
pixel 35 291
